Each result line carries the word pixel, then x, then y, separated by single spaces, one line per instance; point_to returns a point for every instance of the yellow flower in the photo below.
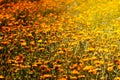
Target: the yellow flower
pixel 98 62
pixel 86 59
pixel 39 41
pixel 23 43
pixel 117 78
pixel 90 49
pixel 106 50
pixel 110 68
pixel 30 35
pixel 86 68
pixel 93 58
pixel 73 78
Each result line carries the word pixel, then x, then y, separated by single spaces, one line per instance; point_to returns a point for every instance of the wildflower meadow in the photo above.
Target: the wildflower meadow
pixel 59 40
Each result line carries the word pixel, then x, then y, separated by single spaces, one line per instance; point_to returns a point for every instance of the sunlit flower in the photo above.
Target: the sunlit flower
pixel 44 68
pixel 60 70
pixel 86 68
pixel 79 68
pixel 41 49
pixel 1 77
pixel 93 71
pixel 86 59
pixel 35 65
pixel 58 42
pixel 117 78
pixel 73 77
pixel 81 76
pixel 73 66
pixel 110 68
pixel 74 72
pixel 62 79
pixel 5 43
pixel 23 43
pixel 39 62
pixel 29 35
pixel 93 58
pixel 10 61
pixel 90 49
pixel 47 75
pixel 96 62
pixel 60 52
pixel 32 43
pixel 39 41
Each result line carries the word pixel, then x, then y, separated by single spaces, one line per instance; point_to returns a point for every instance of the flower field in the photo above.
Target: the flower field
pixel 59 40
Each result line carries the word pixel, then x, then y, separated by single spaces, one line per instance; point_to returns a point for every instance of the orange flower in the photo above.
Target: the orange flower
pixel 23 43
pixel 22 66
pixel 5 43
pixel 35 65
pixel 60 52
pixel 1 77
pixel 29 35
pixel 41 49
pixel 62 79
pixel 73 66
pixel 32 43
pixel 58 61
pixel 79 68
pixel 39 62
pixel 60 70
pixel 57 66
pixel 19 58
pixel 47 75
pixel 10 61
pixel 43 67
pixel 75 72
